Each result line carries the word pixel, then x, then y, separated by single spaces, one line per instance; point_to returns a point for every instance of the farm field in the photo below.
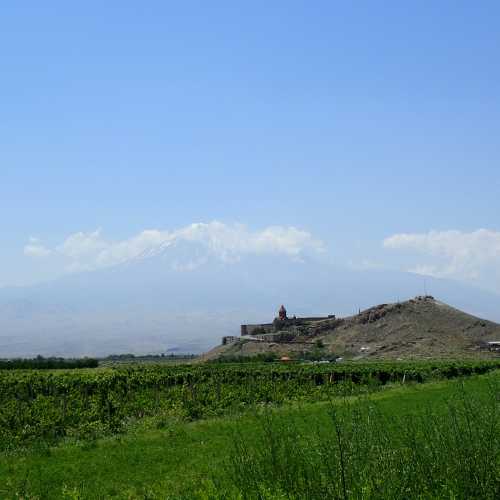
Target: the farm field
pixel 379 430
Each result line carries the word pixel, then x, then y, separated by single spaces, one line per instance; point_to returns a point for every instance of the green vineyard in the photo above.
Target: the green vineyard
pixel 82 403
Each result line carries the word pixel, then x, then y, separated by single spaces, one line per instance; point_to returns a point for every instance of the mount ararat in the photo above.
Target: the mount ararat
pixel 184 297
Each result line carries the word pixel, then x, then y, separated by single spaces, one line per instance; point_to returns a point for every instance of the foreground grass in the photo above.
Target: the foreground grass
pixel 258 454
pixel 365 451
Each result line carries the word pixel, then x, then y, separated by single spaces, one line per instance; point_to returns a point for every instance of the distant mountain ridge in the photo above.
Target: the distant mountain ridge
pixel 186 298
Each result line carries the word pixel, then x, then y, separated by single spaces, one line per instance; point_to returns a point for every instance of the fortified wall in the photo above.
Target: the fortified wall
pixel 286 324
pixel 284 329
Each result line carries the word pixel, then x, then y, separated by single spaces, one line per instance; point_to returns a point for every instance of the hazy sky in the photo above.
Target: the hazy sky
pixel 367 131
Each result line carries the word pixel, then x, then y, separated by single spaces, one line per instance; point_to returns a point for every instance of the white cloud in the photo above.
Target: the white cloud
pixel 81 245
pixel 231 241
pixel 85 251
pixel 35 249
pixel 472 256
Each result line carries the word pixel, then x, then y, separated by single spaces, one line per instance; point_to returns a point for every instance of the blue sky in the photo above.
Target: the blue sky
pixel 358 124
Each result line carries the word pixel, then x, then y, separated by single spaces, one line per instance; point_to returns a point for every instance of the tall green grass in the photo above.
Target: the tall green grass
pixel 361 452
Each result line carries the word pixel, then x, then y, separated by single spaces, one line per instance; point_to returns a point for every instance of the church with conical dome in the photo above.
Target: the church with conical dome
pixel 282 313
pixel 281 327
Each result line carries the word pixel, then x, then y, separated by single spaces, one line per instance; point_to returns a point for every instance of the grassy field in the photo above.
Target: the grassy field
pixel 432 440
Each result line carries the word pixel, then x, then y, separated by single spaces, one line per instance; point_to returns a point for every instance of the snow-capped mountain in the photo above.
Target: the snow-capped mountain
pixel 186 295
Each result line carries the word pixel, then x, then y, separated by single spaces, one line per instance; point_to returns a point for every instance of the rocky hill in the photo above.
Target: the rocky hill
pixel 418 328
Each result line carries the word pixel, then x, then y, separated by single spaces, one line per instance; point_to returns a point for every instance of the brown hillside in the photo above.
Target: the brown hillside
pixel 421 327
pixel 418 328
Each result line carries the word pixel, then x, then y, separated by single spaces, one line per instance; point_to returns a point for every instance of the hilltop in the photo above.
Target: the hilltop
pixel 418 328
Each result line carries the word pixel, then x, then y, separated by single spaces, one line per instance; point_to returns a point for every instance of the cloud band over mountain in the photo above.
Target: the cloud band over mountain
pixel 468 256
pixel 92 250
